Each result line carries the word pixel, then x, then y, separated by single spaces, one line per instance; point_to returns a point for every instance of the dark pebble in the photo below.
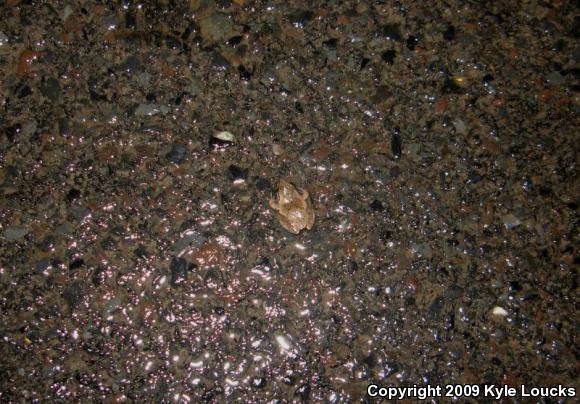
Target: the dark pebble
pixel 237 174
pixel 76 263
pixel 63 126
pixel 50 88
pixel 376 206
pixel 177 154
pixel 130 20
pixel 392 32
pixel 73 294
pixel 108 244
pixel 450 86
pixel 488 78
pixel 449 34
pixel 300 18
pixel 12 132
pixel 515 286
pixel 396 144
pixel 412 41
pixel 73 195
pixel 385 235
pixel 263 184
pixel 179 268
pixel 220 62
pixel 245 75
pixel 140 252
pixel 370 361
pixel 132 64
pixel 330 43
pixel 24 91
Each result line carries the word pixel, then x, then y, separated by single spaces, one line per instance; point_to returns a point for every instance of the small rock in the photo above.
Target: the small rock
pixel 131 64
pixel 50 88
pixel 389 56
pixel 300 18
pixel 178 267
pixel 190 239
pixel 412 41
pixel 194 87
pixel 237 174
pixel 396 144
pixel 392 32
pixel 73 294
pixel 15 233
pixel 3 39
pixel 449 34
pixel 460 126
pixel 29 128
pixel 510 221
pixel 376 206
pixel 225 136
pixel 499 311
pixel 147 110
pixel 66 12
pixel 177 154
pixel 424 250
pixel 555 78
pixel 283 342
pixel 217 28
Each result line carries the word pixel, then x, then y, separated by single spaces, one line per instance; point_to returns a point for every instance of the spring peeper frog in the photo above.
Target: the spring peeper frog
pixel 294 208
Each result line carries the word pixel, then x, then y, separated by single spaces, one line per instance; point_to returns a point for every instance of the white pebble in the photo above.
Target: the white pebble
pixel 499 311
pixel 283 342
pixel 225 135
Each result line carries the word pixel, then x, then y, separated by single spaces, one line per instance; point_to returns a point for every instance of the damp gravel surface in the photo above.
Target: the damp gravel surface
pixel 140 143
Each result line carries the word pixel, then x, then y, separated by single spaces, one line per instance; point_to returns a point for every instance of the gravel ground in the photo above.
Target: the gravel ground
pixel 140 144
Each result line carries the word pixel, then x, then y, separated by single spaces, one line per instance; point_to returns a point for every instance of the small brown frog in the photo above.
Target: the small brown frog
pixel 294 208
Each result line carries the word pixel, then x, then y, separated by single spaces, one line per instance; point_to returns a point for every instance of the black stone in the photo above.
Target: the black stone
pixel 50 88
pixel 396 144
pixel 376 206
pixel 177 154
pixel 140 252
pixel 73 294
pixel 237 174
pixel 392 31
pixel 412 41
pixel 130 20
pixel 76 263
pixel 389 56
pixel 24 91
pixel 300 18
pixel 449 34
pixel 330 43
pixel 245 75
pixel 263 184
pixel 12 132
pixel 72 195
pixel 450 86
pixel 235 40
